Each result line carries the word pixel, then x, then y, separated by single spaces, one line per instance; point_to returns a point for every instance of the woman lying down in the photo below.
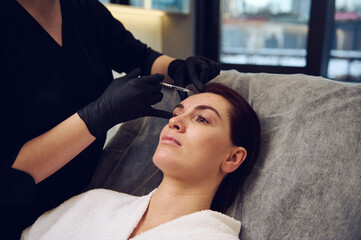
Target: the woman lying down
pixel 205 152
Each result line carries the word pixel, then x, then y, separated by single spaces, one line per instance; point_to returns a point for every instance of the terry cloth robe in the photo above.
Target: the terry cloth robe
pixel 105 214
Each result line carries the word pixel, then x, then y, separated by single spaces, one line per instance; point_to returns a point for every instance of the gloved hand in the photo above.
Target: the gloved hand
pixel 197 70
pixel 126 98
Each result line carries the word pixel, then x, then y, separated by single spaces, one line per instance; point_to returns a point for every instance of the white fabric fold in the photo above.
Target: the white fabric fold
pixel 105 214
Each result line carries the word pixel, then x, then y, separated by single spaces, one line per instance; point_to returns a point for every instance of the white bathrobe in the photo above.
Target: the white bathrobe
pixel 105 214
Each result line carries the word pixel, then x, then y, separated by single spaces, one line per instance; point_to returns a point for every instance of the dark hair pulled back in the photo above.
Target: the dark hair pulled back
pixel 245 132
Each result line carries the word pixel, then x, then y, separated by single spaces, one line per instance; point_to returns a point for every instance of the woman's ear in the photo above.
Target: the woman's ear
pixel 235 159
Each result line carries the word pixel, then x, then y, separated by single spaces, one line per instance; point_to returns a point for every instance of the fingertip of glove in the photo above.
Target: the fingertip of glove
pixel 182 95
pixel 158 77
pixel 159 97
pixel 217 68
pixel 199 87
pixel 173 66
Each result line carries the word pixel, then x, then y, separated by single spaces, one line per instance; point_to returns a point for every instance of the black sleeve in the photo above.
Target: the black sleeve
pixel 17 187
pixel 125 51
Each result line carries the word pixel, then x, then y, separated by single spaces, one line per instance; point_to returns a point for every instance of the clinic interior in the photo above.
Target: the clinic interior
pixel 321 38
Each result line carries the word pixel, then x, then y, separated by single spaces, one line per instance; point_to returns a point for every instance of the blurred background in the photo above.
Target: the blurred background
pixel 315 37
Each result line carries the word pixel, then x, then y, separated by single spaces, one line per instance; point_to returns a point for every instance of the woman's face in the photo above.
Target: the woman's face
pixel 196 140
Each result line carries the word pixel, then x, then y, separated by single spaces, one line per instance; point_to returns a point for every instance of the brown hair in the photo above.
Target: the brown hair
pixel 245 132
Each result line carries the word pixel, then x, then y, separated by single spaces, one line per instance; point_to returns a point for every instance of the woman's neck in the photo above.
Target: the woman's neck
pixel 178 200
pixel 171 201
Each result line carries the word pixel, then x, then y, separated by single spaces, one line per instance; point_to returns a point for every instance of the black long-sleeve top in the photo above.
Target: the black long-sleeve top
pixel 43 83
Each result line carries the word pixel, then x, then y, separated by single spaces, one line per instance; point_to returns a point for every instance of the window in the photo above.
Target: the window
pixel 267 32
pixel 345 55
pixel 315 37
pixel 176 6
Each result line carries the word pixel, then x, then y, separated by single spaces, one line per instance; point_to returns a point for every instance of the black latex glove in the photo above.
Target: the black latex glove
pixel 197 70
pixel 125 99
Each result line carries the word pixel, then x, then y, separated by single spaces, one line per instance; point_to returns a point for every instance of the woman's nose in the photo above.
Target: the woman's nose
pixel 176 123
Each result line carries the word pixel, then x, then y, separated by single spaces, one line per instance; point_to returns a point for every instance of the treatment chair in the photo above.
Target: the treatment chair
pixel 306 183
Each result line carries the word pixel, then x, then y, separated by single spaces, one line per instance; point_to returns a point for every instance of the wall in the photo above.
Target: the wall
pixel 169 33
pixel 178 34
pixel 145 25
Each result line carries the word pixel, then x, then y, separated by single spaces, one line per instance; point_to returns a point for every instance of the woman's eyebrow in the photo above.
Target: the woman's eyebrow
pixel 179 105
pixel 201 107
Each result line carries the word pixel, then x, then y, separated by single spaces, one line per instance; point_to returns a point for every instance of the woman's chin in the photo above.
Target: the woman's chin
pixel 164 159
pixel 161 155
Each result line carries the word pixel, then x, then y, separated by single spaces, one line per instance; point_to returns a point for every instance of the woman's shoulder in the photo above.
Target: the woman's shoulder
pixel 101 195
pixel 98 211
pixel 206 224
pixel 224 222
pixel 105 197
pixel 220 222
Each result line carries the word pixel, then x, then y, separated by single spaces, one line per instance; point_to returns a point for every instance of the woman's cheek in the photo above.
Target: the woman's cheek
pixel 206 138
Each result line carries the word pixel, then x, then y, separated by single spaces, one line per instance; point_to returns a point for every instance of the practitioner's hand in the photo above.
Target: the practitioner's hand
pixel 125 99
pixel 197 70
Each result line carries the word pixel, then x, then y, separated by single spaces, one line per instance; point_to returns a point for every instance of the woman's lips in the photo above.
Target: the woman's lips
pixel 170 139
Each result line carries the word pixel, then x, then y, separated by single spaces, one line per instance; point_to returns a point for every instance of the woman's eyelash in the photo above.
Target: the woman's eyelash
pixel 198 118
pixel 201 119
